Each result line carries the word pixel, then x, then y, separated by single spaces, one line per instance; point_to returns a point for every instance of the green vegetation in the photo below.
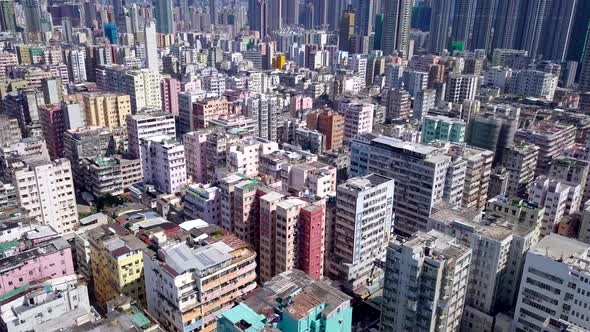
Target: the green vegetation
pixel 108 201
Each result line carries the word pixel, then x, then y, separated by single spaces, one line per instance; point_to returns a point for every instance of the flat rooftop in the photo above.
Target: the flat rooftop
pixel 560 248
pixel 398 144
pixel 365 182
pixel 182 258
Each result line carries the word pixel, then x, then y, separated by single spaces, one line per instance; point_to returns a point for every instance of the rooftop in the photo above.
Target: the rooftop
pixel 366 182
pixel 10 262
pixel 182 258
pixel 416 148
pixel 295 293
pixel 561 249
pixel 442 246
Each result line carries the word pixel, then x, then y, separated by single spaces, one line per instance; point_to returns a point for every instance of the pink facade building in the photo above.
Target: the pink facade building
pixel 204 110
pixel 292 232
pixel 195 145
pixel 38 256
pixel 53 125
pixel 299 103
pixel 311 240
pixel 169 88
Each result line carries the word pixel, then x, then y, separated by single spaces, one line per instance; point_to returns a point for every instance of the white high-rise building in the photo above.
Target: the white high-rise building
pixel 423 102
pixel 76 59
pixel 394 74
pixel 266 109
pixel 164 163
pixel 186 99
pixel 151 47
pixel 362 229
pixel 358 64
pixel 425 283
pixel 460 88
pixel 142 85
pixel 358 118
pixel 46 190
pixel 419 172
pixel 533 83
pixel 555 283
pixel 495 271
pixel 559 198
pixel 415 82
pixel 140 126
pixel 195 144
pixel 396 26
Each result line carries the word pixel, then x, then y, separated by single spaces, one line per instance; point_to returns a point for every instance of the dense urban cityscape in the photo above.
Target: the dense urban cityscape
pixel 295 165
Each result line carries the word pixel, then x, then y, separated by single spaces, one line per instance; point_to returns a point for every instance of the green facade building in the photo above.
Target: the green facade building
pixel 443 128
pixel 291 302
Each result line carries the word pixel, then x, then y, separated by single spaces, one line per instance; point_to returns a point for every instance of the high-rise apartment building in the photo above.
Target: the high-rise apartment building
pixel 365 18
pixel 509 17
pixel 320 13
pixel 584 80
pixel 494 272
pixel 164 163
pixel 106 109
pixel 477 173
pixel 52 122
pixel 9 130
pixel 396 26
pixel 142 85
pixel 76 62
pixel 557 30
pixel 141 126
pixel 520 162
pixel 7 16
pixel 7 59
pixel 203 202
pixel 292 229
pixel 195 145
pixel 189 283
pixel 364 213
pixel 46 190
pixel 439 26
pixel 533 83
pixel 424 101
pixel 205 110
pixel 493 129
pixel 116 257
pixel 111 175
pixel 170 87
pixel 346 31
pixel 462 22
pixel 411 166
pixel 86 142
pixel 152 61
pixel 573 171
pixel 461 87
pixel 551 138
pixel 265 108
pixel 432 261
pixel 163 13
pixel 186 122
pixel 329 123
pixel 358 118
pixel 554 284
pixel 560 199
pixel 484 23
pixel 32 10
pixel 438 127
pixel 398 105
